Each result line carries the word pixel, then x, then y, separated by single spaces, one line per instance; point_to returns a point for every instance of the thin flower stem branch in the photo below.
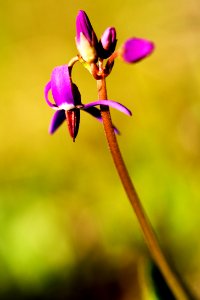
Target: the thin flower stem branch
pixel 72 61
pixel 146 227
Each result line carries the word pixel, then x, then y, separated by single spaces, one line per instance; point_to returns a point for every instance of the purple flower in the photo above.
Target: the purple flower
pixel 107 42
pixel 135 49
pixel 68 104
pixel 86 40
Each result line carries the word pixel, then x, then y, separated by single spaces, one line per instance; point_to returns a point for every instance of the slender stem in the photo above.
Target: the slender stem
pixel 73 61
pixel 146 227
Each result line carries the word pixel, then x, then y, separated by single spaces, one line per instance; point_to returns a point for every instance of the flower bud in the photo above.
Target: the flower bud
pixel 135 49
pixel 107 42
pixel 86 40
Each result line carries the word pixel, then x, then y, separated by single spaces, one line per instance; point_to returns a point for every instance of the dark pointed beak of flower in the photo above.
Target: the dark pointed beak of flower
pixel 135 49
pixel 68 104
pixel 73 121
pixel 86 40
pixel 107 42
pixel 67 100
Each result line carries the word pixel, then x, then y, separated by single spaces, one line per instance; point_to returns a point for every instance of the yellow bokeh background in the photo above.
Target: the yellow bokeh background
pixel 61 203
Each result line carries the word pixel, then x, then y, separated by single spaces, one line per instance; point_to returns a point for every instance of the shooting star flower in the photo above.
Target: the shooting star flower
pixel 67 102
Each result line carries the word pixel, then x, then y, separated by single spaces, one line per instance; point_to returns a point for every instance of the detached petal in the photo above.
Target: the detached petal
pixel 95 112
pixel 61 87
pixel 110 103
pixel 57 120
pixel 135 49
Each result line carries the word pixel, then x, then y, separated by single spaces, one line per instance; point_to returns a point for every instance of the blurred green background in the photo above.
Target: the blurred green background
pixel 67 230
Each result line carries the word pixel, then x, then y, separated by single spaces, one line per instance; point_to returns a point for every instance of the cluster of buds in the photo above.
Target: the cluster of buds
pixel 92 53
pixel 90 49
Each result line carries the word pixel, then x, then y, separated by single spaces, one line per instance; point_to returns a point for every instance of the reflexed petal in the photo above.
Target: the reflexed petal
pixel 135 49
pixel 61 87
pixel 46 91
pixel 110 103
pixel 57 120
pixel 95 112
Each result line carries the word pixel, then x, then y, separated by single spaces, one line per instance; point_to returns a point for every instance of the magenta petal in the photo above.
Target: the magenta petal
pixel 57 120
pixel 110 103
pixel 61 87
pixel 135 49
pixel 46 91
pixel 95 112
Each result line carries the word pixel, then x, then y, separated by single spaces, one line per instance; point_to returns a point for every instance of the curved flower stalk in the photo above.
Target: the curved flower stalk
pixel 68 104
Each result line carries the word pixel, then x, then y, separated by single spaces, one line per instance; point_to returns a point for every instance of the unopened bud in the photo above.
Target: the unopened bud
pixel 135 49
pixel 86 40
pixel 107 42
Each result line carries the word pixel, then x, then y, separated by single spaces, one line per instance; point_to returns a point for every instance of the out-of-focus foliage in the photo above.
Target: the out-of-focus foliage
pixel 65 222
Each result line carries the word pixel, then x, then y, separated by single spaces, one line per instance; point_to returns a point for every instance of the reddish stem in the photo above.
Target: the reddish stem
pixel 146 227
